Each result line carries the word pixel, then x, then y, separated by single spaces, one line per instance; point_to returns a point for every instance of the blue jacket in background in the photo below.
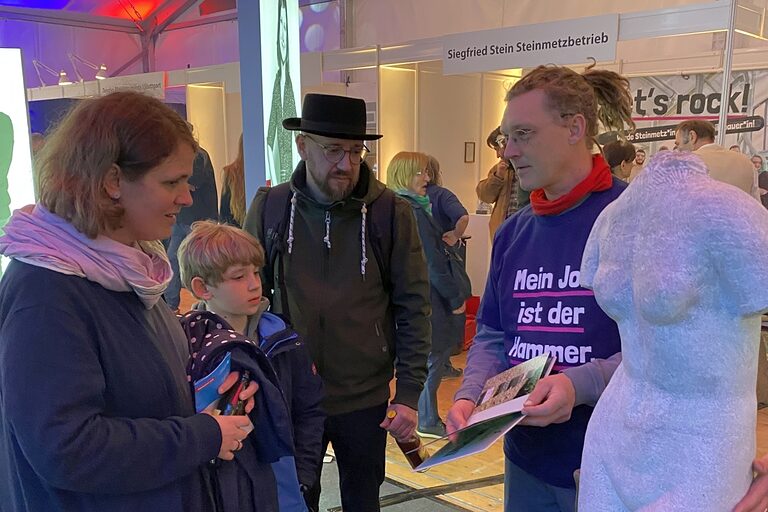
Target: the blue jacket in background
pixel 445 293
pixel 446 207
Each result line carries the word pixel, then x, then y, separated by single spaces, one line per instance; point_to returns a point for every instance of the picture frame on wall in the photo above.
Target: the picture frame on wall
pixel 469 152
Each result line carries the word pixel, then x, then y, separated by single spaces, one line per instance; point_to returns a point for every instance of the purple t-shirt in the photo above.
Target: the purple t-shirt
pixel 533 296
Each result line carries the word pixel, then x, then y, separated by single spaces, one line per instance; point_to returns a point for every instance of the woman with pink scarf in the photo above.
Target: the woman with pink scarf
pixel 96 412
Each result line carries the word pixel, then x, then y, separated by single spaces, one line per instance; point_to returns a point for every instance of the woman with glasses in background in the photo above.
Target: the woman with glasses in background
pixel 501 186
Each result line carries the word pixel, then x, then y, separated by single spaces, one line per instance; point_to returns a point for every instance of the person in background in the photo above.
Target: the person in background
pixel 735 147
pixel 232 207
pixel 620 154
pixel 762 178
pixel 97 411
pixel 453 220
pixel 640 157
pixel 698 136
pixel 407 177
pixel 551 119
pixel 501 187
pixel 220 265
pixel 447 210
pixel 205 205
pixel 639 162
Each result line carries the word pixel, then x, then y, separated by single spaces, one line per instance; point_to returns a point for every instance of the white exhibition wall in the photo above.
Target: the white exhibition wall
pixel 450 115
pixel 397 113
pixel 422 110
pixel 207 113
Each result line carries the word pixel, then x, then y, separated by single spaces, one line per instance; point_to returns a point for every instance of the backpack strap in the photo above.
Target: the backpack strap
pixel 274 220
pixel 381 225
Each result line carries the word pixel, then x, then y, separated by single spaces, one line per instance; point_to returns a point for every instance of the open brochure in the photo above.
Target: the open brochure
pixel 496 411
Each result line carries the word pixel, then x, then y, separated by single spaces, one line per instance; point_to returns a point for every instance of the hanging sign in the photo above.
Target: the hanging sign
pixel 560 42
pixel 152 84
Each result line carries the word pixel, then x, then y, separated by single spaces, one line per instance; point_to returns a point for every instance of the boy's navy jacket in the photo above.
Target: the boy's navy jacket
pixel 302 388
pixel 250 481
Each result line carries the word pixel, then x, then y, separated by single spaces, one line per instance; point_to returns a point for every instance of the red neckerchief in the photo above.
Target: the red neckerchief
pixel 599 178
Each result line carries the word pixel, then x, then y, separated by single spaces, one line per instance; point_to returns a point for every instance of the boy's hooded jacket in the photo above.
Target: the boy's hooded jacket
pixel 301 386
pixel 262 476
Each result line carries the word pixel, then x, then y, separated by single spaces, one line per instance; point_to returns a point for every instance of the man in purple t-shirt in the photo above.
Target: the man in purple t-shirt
pixel 533 302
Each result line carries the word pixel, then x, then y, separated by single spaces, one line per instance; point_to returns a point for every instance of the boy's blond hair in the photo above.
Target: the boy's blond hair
pixel 211 248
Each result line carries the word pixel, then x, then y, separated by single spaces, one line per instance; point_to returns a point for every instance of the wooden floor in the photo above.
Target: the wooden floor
pixel 486 464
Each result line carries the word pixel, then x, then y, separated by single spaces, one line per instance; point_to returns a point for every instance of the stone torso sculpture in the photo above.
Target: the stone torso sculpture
pixel 677 261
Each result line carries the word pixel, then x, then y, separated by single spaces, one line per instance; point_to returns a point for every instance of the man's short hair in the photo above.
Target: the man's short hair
pixel 703 129
pixel 640 150
pixel 619 151
pixel 212 248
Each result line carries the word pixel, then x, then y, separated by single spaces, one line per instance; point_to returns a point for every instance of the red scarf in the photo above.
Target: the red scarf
pixel 599 178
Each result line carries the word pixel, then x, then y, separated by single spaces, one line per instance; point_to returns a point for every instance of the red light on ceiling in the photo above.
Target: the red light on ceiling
pixel 125 8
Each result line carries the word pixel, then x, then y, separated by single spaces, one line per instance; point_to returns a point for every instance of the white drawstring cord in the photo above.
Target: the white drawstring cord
pixel 290 222
pixel 364 257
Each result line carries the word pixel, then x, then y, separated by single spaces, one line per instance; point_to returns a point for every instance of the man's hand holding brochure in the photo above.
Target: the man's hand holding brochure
pixel 502 404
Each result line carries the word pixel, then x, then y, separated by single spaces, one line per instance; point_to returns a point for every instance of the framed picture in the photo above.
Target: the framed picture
pixel 469 152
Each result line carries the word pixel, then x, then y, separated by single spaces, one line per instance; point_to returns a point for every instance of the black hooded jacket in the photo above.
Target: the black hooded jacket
pixel 357 326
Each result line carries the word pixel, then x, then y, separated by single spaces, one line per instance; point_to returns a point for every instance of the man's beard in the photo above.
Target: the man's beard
pixel 336 190
pixel 340 191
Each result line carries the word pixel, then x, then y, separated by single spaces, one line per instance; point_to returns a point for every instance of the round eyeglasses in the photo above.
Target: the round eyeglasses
pixel 335 154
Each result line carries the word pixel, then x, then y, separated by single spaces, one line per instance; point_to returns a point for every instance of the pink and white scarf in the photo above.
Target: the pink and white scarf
pixel 43 239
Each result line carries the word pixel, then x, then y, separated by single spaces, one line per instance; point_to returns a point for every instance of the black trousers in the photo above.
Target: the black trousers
pixel 359 444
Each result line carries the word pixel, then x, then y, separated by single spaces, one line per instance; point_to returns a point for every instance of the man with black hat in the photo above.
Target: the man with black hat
pixel 345 263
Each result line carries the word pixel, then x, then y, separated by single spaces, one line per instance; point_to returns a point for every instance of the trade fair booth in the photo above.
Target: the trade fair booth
pixel 422 100
pixel 420 104
pixel 442 95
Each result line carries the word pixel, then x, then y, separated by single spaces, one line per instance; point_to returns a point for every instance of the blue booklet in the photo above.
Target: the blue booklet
pixel 207 388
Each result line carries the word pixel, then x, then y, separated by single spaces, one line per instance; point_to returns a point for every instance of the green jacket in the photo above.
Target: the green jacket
pixel 356 331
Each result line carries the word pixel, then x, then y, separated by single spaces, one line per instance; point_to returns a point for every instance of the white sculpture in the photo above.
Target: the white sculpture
pixel 680 262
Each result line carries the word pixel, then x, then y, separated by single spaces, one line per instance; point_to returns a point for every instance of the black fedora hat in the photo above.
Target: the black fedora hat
pixel 339 117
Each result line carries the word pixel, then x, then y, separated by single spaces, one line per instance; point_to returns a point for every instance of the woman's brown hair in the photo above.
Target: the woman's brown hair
pixel 234 180
pixel 128 129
